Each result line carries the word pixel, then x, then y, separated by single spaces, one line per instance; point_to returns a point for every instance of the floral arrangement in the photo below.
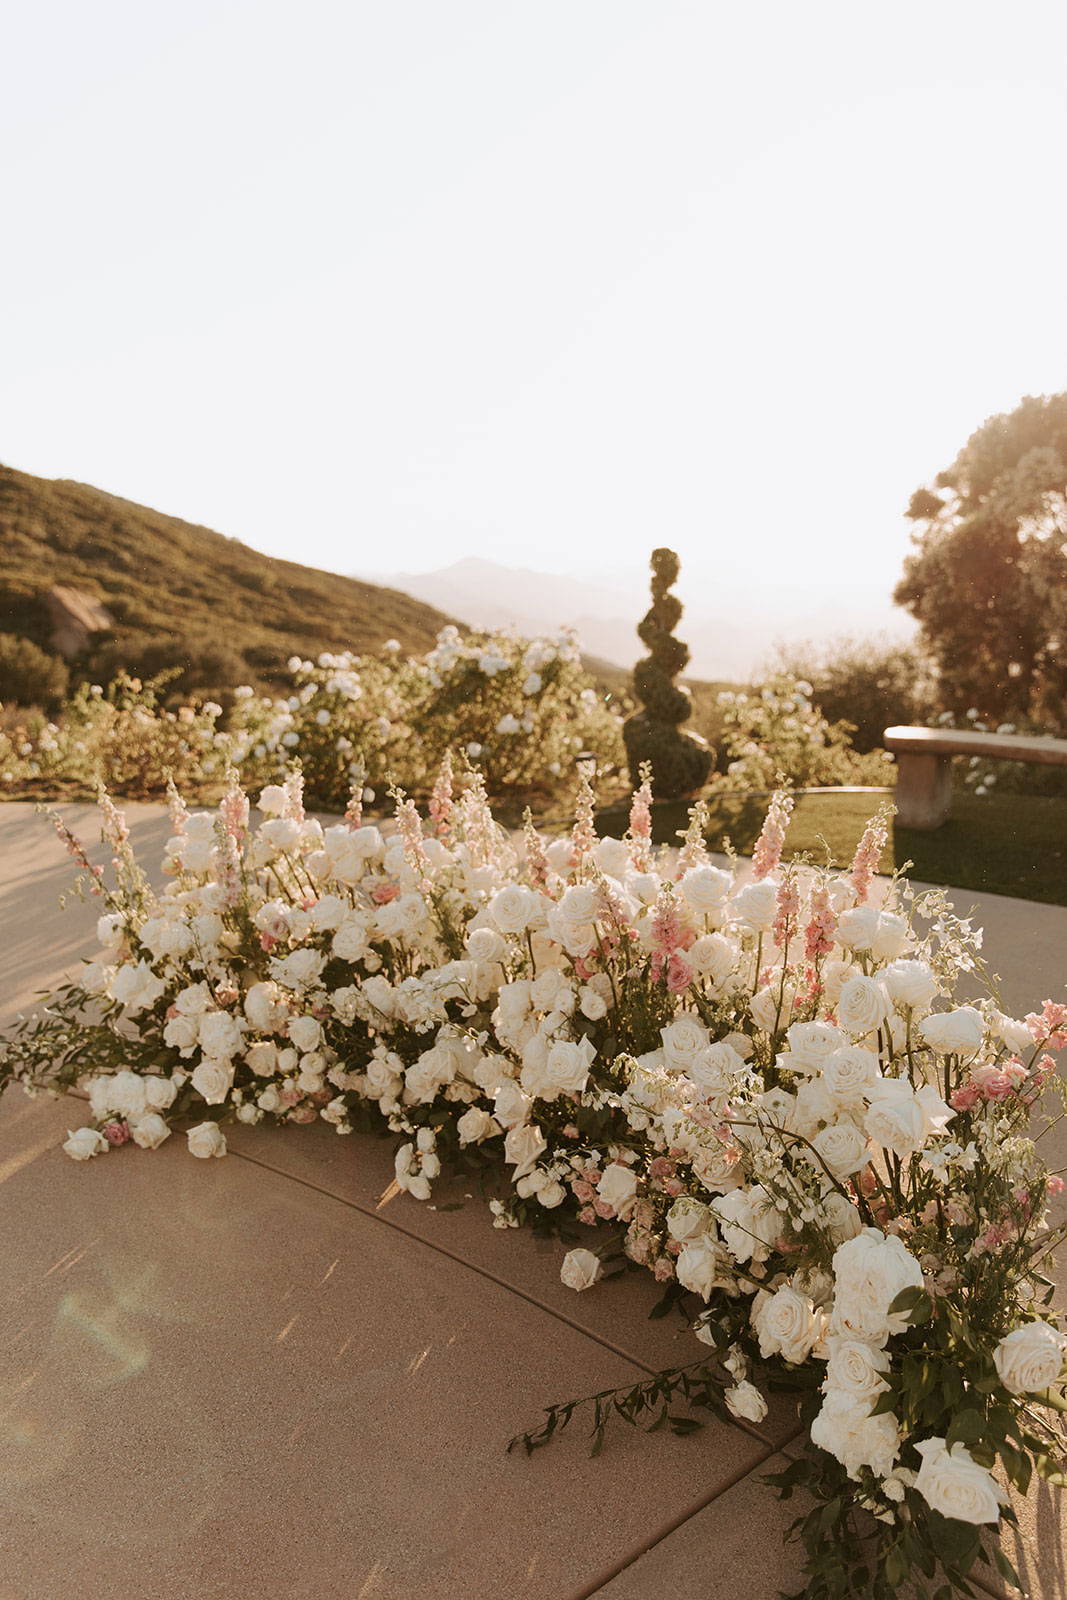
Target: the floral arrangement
pixel 764 1090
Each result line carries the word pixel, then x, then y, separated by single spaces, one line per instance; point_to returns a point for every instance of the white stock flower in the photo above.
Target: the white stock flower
pixel 1030 1358
pixel 580 1269
pixel 952 1482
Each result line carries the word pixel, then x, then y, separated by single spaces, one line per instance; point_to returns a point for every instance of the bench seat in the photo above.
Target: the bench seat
pixel 924 765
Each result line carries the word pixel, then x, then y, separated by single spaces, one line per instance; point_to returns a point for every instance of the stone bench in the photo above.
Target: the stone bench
pixel 924 765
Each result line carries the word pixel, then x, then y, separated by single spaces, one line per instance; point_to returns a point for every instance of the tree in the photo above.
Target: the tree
pixel 680 761
pixel 987 580
pixel 29 676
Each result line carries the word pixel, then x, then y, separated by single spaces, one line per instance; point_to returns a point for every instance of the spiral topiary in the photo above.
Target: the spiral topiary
pixel 680 761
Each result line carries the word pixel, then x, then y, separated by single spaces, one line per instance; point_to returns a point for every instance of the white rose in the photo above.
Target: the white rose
pixel 861 1007
pixel 475 1125
pixel 717 1069
pixel 305 1033
pixel 511 1106
pixel 786 1324
pixel 580 1269
pixel 264 1007
pixel 511 908
pixel 683 1042
pixel 83 1143
pixel 744 1400
pixel 206 1140
pixel 522 1146
pixel 220 1034
pixel 688 1219
pixel 273 800
pixel 890 936
pixel 126 1093
pixel 856 1367
pixel 846 1429
pixel 910 983
pixel 705 890
pixel 618 1188
pixel 111 930
pixel 592 1005
pixel 901 1119
pixel 567 1067
pixel 869 1272
pixel 486 944
pixel 753 907
pixel 612 856
pixel 958 1032
pixel 698 1266
pixel 840 1217
pixel 159 1093
pixel 149 1131
pixel 1016 1035
pixel 850 1073
pixel 842 1147
pixel 750 1222
pixel 551 1194
pixel 212 1081
pixel 712 956
pixel 952 1482
pixel 811 1044
pixel 856 928
pixel 1030 1358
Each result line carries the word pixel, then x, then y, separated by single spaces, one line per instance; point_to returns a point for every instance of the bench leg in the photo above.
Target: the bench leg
pixel 924 790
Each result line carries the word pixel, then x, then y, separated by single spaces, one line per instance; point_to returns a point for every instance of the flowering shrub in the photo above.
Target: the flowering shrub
pixel 776 733
pixel 765 1091
pixel 519 710
pixel 983 776
pixel 123 737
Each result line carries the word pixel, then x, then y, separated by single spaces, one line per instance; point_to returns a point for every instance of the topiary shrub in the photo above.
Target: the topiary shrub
pixel 680 761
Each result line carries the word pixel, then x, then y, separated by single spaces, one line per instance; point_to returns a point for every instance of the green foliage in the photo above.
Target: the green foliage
pixel 161 577
pixel 680 762
pixel 28 675
pixel 987 579
pixel 195 664
pixel 870 684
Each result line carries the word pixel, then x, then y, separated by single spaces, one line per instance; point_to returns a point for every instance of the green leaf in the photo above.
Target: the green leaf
pixel 966 1427
pixel 1005 1568
pixel 907 1299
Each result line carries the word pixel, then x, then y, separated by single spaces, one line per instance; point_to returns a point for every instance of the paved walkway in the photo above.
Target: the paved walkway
pixel 248 1377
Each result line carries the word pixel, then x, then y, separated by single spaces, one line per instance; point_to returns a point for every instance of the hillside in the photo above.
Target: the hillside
pixel 174 589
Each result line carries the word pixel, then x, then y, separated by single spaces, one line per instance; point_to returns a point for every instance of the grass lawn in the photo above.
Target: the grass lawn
pixel 1005 843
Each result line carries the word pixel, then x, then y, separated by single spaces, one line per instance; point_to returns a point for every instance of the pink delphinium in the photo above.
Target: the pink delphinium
pixel 354 808
pixel 670 937
pixel 1049 1026
pixel 77 852
pixel 583 834
pixel 768 851
pixel 536 858
pixel 409 826
pixel 640 836
pixel 787 911
pixel 441 797
pixel 868 858
pixel 294 796
pixel 179 812
pixel 821 925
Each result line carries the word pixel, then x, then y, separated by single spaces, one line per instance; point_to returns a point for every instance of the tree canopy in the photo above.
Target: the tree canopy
pixel 987 579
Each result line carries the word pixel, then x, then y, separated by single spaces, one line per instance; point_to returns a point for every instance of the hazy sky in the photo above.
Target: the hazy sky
pixel 379 285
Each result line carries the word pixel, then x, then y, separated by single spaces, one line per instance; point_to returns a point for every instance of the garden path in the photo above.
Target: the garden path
pixel 249 1376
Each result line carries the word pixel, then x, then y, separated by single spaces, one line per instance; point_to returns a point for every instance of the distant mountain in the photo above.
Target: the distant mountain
pixel 488 594
pixel 170 585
